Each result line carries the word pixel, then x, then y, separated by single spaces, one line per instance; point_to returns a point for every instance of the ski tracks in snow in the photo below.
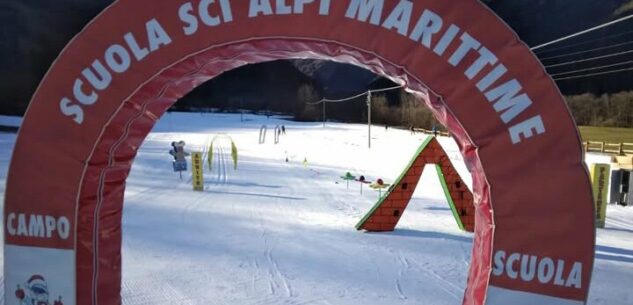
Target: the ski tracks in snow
pixel 618 222
pixel 404 266
pixel 192 207
pixel 278 286
pixel 222 176
pixel 154 290
pixel 408 264
pixel 2 290
pixel 276 278
pixel 450 288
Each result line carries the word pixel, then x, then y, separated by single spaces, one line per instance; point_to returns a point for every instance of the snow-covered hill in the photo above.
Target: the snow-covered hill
pixel 277 232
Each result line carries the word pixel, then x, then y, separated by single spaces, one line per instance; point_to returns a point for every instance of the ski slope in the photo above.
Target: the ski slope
pixel 277 232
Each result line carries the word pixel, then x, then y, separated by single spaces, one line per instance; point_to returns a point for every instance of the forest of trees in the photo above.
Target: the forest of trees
pixel 607 110
pixel 393 108
pixel 614 110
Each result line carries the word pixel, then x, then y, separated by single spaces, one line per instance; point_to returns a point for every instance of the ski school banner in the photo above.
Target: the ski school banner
pixel 107 88
pixel 197 177
pixel 600 174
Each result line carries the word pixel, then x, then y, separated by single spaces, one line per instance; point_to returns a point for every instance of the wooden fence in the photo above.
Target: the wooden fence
pixel 590 146
pixel 606 147
pixel 430 132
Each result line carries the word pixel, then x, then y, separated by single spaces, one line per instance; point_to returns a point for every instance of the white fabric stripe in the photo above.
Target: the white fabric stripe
pixel 502 296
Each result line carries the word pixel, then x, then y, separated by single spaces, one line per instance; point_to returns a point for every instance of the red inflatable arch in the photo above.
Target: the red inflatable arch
pixel 534 235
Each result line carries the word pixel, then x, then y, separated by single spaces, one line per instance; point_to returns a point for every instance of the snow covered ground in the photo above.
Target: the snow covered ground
pixel 277 232
pixel 10 121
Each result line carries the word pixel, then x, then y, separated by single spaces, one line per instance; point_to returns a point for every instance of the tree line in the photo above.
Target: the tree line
pixel 396 108
pixel 607 110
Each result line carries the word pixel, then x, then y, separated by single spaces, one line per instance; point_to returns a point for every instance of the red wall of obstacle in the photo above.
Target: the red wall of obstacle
pixel 384 216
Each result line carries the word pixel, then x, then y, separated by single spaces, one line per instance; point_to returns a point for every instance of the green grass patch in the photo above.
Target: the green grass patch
pixel 606 134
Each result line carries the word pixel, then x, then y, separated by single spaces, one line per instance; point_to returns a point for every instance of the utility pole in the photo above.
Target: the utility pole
pixel 323 113
pixel 369 118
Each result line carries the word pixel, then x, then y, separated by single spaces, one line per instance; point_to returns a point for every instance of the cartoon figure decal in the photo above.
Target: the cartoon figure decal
pixel 35 292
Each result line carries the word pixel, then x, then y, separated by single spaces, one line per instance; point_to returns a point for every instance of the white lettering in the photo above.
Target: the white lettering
pixel 528 271
pixel 534 268
pixel 507 100
pixel 575 275
pixel 468 43
pixel 36 225
pixel 324 7
pixel 117 58
pixel 513 258
pixel 40 226
pixel 526 129
pixel 492 77
pixel 139 53
pixel 545 270
pixel 362 9
pixel 63 227
pixel 50 225
pixel 104 79
pixel 281 8
pixel 205 16
pixel 259 6
pixel 185 13
pixel 227 13
pixel 156 35
pixel 558 278
pixel 299 4
pixel 68 109
pixel 428 25
pixel 10 224
pixel 81 97
pixel 22 231
pixel 400 17
pixel 485 58
pixel 446 40
pixel 498 263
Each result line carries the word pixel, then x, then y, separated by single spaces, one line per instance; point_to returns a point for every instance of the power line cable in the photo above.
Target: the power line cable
pixel 583 32
pixel 589 59
pixel 588 51
pixel 361 94
pixel 592 69
pixel 325 100
pixel 385 89
pixel 593 74
pixel 315 103
pixel 344 99
pixel 584 42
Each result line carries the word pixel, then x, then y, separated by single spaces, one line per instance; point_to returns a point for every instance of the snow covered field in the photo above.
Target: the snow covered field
pixel 277 232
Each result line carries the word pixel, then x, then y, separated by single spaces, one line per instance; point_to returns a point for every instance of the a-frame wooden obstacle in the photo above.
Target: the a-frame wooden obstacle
pixel 387 211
